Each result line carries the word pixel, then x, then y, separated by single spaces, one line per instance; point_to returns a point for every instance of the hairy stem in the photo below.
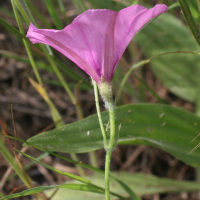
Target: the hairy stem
pixel 99 113
pixel 109 150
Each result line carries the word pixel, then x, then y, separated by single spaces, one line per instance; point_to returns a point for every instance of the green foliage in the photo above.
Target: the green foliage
pixel 162 126
pixel 194 8
pixel 168 34
pixel 54 14
pixel 189 18
pixel 142 183
pixel 79 187
pixel 106 4
pixel 12 162
pixel 166 127
pixel 83 180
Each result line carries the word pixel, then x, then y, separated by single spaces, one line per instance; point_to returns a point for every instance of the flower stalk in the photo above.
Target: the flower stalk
pixel 99 113
pixel 109 151
pixel 106 92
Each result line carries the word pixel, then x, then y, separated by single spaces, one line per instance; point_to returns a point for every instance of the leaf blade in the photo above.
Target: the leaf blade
pixel 162 126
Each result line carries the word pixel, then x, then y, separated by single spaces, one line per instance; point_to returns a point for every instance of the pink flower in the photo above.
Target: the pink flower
pixel 96 39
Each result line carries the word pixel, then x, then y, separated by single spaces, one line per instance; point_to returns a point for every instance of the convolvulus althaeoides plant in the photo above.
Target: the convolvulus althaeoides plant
pixel 95 41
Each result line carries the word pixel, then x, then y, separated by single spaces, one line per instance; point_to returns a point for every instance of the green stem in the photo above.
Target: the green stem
pixel 22 10
pixel 39 79
pixel 107 96
pixel 189 19
pixel 26 45
pixel 99 113
pixel 112 128
pixel 107 174
pixel 109 150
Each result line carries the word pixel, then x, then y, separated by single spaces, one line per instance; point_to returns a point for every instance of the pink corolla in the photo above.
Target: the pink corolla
pixel 96 39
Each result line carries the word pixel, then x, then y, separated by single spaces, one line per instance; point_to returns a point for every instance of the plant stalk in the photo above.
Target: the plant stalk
pixel 109 147
pixel 109 150
pixel 99 113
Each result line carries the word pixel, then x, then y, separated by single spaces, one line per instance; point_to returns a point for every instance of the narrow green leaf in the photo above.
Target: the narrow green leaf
pixel 79 187
pixel 71 85
pixel 54 15
pixel 38 14
pixel 12 162
pixel 80 6
pixel 166 127
pixel 122 183
pixel 143 184
pixel 55 170
pixel 30 164
pixel 174 5
pixel 132 194
pixel 76 163
pixel 106 4
pixel 13 30
pixel 69 72
pixel 28 192
pixel 85 85
pixel 127 75
pixel 195 10
pixel 160 100
pixel 189 19
pixel 59 156
pixel 7 12
pixel 168 34
pixel 63 11
pixel 22 11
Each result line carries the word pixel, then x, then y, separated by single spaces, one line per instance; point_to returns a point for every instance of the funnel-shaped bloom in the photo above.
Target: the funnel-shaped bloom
pixel 96 39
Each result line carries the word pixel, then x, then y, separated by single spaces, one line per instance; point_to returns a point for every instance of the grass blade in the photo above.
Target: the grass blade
pixel 54 15
pixel 189 19
pixel 78 178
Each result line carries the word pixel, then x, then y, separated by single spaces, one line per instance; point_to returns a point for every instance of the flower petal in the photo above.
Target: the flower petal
pixel 83 41
pixel 63 42
pixel 97 28
pixel 108 64
pixel 96 39
pixel 129 21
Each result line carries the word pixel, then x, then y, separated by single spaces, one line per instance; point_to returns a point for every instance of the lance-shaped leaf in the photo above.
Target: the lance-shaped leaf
pixel 166 127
